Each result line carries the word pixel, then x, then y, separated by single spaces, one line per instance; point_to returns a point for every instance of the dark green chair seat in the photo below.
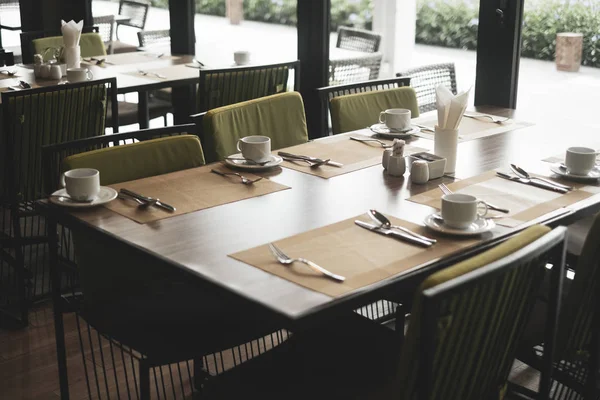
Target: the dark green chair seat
pixel 280 117
pixel 361 110
pixel 460 344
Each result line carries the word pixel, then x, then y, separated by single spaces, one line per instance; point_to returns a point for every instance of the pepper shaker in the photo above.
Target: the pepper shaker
pixel 419 172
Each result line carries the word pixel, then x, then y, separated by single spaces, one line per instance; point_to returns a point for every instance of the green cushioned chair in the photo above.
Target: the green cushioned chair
pixel 358 111
pixel 460 344
pixel 139 160
pixel 280 117
pixel 91 45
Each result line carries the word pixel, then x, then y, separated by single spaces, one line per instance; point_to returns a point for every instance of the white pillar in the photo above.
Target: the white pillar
pixel 396 21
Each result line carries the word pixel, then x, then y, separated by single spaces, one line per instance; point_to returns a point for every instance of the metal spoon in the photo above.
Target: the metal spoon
pixel 520 172
pixel 386 223
pixel 70 198
pixel 249 161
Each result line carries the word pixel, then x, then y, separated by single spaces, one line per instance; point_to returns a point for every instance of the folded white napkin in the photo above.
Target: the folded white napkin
pixel 450 108
pixel 71 32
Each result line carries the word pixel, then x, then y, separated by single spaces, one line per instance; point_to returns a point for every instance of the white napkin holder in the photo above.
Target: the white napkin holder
pixel 72 56
pixel 445 144
pixel 435 163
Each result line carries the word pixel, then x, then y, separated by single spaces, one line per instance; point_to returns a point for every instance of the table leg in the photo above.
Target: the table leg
pixel 143 112
pixel 184 103
pixel 59 329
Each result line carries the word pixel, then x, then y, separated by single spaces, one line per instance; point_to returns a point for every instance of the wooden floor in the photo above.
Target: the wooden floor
pixel 28 369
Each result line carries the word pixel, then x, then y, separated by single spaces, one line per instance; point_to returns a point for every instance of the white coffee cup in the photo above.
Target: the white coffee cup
pixel 255 148
pixel 460 210
pixel 79 75
pixel 82 184
pixel 396 118
pixel 580 160
pixel 241 57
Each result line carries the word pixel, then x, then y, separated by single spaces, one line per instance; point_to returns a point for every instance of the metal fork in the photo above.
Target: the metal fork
pixel 383 144
pixel 245 180
pixel 447 190
pixel 496 120
pixel 312 164
pixel 141 71
pixel 282 258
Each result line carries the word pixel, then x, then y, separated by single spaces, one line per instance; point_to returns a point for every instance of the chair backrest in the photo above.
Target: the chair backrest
pixel 106 26
pixel 354 69
pixel 54 155
pixel 91 45
pixel 35 117
pixel 139 160
pixel 427 78
pixel 280 117
pixel 221 87
pixel 357 111
pixel 27 38
pixel 329 92
pixel 466 320
pixel 582 303
pixel 358 39
pixel 136 10
pixel 154 38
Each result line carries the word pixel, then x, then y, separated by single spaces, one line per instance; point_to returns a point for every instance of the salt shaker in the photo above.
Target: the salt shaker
pixel 55 72
pixel 419 172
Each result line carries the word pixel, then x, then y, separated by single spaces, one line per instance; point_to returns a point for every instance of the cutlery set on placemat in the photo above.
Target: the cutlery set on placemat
pixel 145 202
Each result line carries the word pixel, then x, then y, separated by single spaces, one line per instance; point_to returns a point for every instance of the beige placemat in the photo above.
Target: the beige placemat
pixel 344 248
pixel 470 128
pixel 137 57
pixel 524 201
pixel 170 73
pixel 189 190
pixel 354 155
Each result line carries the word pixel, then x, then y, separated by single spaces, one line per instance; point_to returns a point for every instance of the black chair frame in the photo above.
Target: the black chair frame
pixel 229 73
pixel 15 232
pixel 329 92
pixel 67 298
pixel 553 245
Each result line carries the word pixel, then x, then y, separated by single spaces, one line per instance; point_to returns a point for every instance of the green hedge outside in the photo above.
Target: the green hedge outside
pixel 448 23
pixel 356 13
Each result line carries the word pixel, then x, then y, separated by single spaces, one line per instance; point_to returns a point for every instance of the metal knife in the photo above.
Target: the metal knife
pixel 394 234
pixel 313 159
pixel 159 203
pixel 539 184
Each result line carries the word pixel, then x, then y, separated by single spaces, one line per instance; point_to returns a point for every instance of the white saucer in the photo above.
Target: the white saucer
pixel 478 227
pixel 593 175
pixel 243 164
pixel 383 131
pixel 106 195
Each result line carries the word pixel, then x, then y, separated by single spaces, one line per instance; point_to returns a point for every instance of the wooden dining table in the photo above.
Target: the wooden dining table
pixel 198 243
pixel 128 69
